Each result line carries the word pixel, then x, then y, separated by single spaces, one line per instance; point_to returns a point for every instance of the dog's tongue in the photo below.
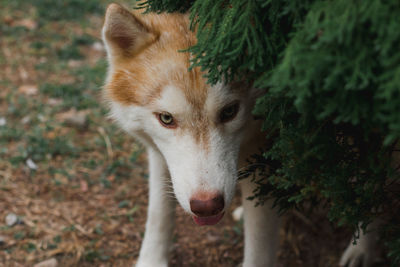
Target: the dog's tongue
pixel 208 220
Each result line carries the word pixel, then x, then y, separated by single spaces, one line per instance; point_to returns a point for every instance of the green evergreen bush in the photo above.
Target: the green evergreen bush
pixel 331 75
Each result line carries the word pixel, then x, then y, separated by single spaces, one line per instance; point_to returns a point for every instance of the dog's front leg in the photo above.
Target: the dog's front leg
pixel 363 253
pixel 261 229
pixel 160 215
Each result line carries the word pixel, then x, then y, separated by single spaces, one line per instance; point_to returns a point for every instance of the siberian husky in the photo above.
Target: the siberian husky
pixel 197 135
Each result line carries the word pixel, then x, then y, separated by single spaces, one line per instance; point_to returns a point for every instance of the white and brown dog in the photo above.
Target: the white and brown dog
pixel 197 135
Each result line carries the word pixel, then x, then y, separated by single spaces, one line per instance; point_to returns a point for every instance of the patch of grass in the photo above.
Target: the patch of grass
pixel 14 4
pixel 119 167
pixel 3 150
pixel 56 10
pixel 64 91
pixel 38 146
pixel 70 228
pixel 131 212
pixel 84 39
pixel 57 239
pixel 73 95
pixel 2 60
pixel 20 235
pixel 9 134
pixel 135 155
pixel 39 45
pixel 92 77
pixel 92 254
pixel 69 52
pixel 16 160
pixel 81 94
pixel 91 164
pixel 4 228
pixel 106 183
pixel 13 32
pixel 124 204
pixel 238 227
pixel 18 105
pixel 30 247
pixel 98 229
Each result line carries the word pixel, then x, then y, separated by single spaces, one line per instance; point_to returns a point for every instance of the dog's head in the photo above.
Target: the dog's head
pixel 198 128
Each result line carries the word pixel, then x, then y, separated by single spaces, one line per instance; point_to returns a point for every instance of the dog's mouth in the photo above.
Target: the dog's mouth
pixel 210 220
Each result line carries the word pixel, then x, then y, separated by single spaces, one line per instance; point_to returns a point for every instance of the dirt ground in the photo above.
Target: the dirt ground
pixel 76 184
pixel 92 227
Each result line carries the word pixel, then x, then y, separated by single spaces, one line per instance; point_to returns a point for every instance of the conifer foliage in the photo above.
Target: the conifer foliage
pixel 331 75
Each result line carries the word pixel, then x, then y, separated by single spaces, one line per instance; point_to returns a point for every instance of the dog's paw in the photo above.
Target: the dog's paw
pixel 358 255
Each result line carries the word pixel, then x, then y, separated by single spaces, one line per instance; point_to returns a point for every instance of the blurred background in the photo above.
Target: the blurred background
pixel 73 189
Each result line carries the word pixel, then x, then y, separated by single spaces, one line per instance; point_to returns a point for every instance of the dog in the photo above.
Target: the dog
pixel 197 135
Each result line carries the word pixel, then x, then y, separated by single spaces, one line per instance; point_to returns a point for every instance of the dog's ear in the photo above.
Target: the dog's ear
pixel 124 34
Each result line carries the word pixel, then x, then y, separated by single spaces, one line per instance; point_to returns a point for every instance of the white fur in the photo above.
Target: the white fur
pixel 172 100
pixel 160 215
pixel 261 227
pixel 363 253
pixel 175 157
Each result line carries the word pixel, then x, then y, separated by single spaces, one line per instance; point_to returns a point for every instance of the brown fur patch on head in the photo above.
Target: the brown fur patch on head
pixel 200 129
pixel 139 79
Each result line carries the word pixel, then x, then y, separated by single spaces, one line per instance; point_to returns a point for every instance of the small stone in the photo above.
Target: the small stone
pixel 41 118
pixel 213 238
pixel 73 63
pixel 31 164
pixel 97 46
pixel 54 101
pixel 237 214
pixel 28 89
pixel 47 263
pixel 3 121
pixel 27 23
pixel 79 121
pixel 11 219
pixel 74 118
pixel 26 119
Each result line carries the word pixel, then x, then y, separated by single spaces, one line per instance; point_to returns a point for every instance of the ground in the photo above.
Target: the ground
pixel 77 184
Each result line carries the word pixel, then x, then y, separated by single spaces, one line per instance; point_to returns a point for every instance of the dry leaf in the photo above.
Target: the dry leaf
pixel 27 23
pixel 74 118
pixel 84 186
pixel 28 89
pixel 47 263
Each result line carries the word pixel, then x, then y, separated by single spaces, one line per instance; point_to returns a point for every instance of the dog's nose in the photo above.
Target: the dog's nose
pixel 205 205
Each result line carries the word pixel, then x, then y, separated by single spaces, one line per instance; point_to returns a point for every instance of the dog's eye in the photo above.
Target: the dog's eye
pixel 229 112
pixel 166 119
